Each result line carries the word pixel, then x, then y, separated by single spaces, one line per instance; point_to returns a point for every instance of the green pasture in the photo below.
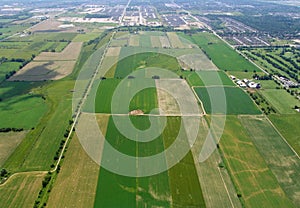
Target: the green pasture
pixel 237 101
pixel 268 84
pixel 8 67
pixel 22 112
pixel 38 148
pixel 281 100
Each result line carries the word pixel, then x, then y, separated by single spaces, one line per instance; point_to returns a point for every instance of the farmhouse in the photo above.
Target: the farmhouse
pixel 232 77
pixel 247 83
pixel 241 83
pixel 253 85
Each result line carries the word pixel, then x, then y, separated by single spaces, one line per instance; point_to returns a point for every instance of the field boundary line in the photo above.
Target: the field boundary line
pixel 282 136
pixel 154 115
pixel 277 131
pixel 224 86
pixel 82 103
pixel 226 188
pixel 201 104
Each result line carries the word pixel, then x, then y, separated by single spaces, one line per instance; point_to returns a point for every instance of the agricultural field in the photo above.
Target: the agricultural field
pixel 254 180
pixel 85 37
pixel 196 62
pixel 41 71
pixel 25 47
pixel 11 29
pixel 217 187
pixel 174 40
pixel 7 67
pixel 223 56
pixel 172 188
pixel 78 175
pixel 15 192
pixel 281 100
pixel 287 125
pixel 144 60
pixel 65 76
pixel 180 102
pixel 36 151
pixel 8 143
pixel 14 110
pixel 281 159
pixel 207 78
pixel 237 101
pixel 50 65
pixel 145 100
pixel 70 53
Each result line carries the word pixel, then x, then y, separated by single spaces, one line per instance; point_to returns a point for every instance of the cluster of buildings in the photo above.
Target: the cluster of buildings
pixel 287 83
pixel 246 83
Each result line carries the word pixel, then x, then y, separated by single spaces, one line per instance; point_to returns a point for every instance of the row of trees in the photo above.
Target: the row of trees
pixel 263 103
pixel 269 58
pixel 5 130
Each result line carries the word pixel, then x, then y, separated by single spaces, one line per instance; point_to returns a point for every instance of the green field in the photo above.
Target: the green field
pixel 144 41
pixel 208 78
pixel 25 47
pixel 288 126
pixel 237 101
pixel 12 29
pixel 253 179
pixel 85 37
pixel 22 112
pixel 168 189
pixel 244 75
pixel 268 84
pixel 280 158
pixel 143 60
pixel 7 67
pixel 38 148
pixel 21 106
pixel 281 100
pixel 144 100
pixel 223 56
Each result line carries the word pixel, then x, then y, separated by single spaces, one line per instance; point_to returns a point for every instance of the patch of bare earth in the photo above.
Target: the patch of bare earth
pixel 49 65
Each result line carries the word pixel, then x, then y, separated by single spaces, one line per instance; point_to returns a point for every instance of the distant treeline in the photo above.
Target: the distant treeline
pixel 97 16
pixel 280 26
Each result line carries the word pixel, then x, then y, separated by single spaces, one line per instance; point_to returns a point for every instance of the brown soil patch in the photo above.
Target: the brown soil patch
pixel 136 112
pixel 71 52
pixel 40 71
